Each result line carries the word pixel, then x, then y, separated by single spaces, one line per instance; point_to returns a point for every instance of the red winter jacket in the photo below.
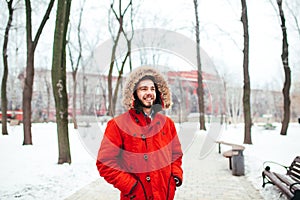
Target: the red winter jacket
pixel 140 157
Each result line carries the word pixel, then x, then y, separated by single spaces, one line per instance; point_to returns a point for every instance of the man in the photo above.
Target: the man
pixel 140 153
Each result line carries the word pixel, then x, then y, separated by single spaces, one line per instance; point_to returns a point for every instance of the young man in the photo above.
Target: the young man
pixel 140 153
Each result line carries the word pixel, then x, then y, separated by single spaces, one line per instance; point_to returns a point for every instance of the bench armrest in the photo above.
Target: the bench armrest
pixel 272 162
pixel 294 188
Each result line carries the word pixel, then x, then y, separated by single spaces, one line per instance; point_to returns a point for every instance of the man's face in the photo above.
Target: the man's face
pixel 146 92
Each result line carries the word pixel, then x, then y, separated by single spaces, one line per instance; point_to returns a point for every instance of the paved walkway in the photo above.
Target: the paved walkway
pixel 204 179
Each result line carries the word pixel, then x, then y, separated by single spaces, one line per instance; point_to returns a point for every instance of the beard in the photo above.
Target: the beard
pixel 139 104
pixel 155 106
pixel 146 106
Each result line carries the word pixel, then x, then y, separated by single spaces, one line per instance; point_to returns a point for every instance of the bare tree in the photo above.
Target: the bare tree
pixel 29 76
pixel 287 73
pixel 58 74
pixel 5 68
pixel 121 70
pixel 112 95
pixel 247 89
pixel 233 103
pixel 75 62
pixel 200 90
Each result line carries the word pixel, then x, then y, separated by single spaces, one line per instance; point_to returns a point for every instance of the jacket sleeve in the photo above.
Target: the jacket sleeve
pixel 176 156
pixel 109 159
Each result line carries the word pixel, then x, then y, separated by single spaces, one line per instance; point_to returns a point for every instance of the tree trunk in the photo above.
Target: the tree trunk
pixel 59 80
pixel 84 93
pixel 287 73
pixel 28 81
pixel 200 90
pixel 247 89
pixel 74 74
pixel 119 80
pixel 48 99
pixel 29 77
pixel 115 94
pixel 111 111
pixel 5 69
pixel 27 95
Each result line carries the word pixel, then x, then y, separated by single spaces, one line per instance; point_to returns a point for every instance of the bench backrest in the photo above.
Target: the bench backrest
pixel 294 169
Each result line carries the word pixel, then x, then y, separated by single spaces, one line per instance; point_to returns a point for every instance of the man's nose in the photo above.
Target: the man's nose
pixel 149 92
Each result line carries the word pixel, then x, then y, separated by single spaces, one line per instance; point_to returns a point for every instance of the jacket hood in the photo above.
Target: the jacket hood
pixel 136 75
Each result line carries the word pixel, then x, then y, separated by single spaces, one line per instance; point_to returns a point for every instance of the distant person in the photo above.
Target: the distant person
pixel 140 153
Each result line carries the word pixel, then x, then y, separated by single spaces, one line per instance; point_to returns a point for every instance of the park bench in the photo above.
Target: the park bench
pixel 235 148
pixel 14 122
pixel 236 151
pixel 288 183
pixel 269 126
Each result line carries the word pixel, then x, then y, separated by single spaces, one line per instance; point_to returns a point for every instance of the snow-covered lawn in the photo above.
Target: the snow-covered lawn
pixel 32 172
pixel 268 145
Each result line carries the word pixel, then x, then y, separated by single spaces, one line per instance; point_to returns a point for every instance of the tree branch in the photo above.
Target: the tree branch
pixel 43 23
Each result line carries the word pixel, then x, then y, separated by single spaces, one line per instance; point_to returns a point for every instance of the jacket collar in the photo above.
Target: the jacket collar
pixel 140 117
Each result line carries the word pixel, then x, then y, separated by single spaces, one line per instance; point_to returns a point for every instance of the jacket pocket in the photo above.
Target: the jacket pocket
pixel 137 193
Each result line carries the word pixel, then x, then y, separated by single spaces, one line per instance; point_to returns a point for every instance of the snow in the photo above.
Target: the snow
pixel 32 172
pixel 268 145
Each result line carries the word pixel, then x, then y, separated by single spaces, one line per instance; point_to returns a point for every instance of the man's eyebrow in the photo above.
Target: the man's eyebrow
pixel 146 86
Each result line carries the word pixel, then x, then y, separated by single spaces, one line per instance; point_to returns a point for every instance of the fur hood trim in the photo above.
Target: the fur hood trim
pixel 136 75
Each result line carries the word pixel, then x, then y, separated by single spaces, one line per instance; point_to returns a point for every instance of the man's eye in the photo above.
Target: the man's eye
pixel 143 89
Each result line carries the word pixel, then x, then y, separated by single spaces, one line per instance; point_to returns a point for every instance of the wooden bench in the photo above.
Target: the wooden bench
pixel 288 183
pixel 14 122
pixel 235 148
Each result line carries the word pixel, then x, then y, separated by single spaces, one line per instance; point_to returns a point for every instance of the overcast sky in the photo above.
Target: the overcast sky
pixel 221 33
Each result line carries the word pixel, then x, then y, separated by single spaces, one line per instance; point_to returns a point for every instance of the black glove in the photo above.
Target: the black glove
pixel 178 182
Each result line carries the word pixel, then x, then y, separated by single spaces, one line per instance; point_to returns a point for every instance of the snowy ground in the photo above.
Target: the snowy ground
pixel 31 172
pixel 268 145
